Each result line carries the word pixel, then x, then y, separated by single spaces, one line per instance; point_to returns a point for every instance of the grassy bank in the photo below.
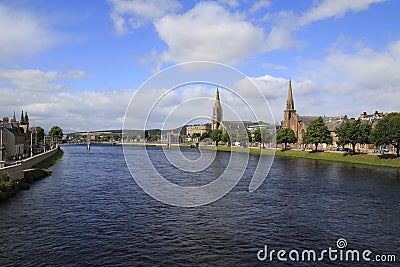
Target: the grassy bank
pixel 374 160
pixel 50 161
pixel 10 188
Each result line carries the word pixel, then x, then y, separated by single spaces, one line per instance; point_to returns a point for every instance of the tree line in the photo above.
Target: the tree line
pixel 245 136
pixel 351 132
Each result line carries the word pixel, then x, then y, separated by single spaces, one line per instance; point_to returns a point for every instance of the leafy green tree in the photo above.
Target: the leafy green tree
pixel 146 135
pixel 216 135
pixel 257 136
pixel 353 132
pixel 262 136
pixel 196 135
pixel 387 131
pixel 226 138
pixel 56 131
pixel 244 137
pixel 105 138
pixel 286 136
pixel 317 133
pixel 154 138
pixel 205 135
pixel 249 135
pixel 39 134
pixel 266 136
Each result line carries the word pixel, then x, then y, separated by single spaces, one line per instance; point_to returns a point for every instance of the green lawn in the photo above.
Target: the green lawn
pixel 374 160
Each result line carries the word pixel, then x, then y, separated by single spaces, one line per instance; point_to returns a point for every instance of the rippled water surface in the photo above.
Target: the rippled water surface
pixel 91 212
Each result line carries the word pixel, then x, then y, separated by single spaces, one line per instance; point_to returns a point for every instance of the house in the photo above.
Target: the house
pixel 15 136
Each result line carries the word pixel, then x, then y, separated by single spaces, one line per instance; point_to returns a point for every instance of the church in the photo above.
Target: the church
pixel 299 123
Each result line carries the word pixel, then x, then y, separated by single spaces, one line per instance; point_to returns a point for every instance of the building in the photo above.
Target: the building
pixel 15 136
pixel 299 123
pixel 292 120
pixel 198 129
pixel 217 113
pixel 372 118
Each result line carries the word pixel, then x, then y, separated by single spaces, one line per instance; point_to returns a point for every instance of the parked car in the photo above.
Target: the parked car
pixel 288 147
pixel 386 149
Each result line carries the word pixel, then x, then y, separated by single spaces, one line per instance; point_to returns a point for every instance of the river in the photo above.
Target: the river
pixel 91 212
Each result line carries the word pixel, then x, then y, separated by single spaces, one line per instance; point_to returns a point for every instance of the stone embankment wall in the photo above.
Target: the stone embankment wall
pixel 16 172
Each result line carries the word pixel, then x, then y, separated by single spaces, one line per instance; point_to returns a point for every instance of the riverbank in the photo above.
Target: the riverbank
pixel 10 187
pixel 373 160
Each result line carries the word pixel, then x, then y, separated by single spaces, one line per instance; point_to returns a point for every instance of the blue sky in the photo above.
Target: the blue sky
pixel 78 63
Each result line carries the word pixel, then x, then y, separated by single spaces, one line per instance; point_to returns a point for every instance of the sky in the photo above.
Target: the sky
pixel 77 64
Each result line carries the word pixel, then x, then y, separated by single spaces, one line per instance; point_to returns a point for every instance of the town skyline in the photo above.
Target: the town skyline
pixel 82 63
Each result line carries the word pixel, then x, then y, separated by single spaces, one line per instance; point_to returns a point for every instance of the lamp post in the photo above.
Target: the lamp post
pixel 32 142
pixel 1 143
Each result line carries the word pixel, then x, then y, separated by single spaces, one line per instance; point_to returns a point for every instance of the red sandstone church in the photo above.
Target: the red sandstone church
pixel 299 124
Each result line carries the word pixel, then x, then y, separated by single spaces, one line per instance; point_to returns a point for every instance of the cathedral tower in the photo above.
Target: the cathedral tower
pixel 217 113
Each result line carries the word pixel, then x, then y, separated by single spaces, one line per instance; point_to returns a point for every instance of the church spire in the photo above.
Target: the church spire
pixel 14 119
pixel 22 120
pixel 289 112
pixel 290 101
pixel 217 112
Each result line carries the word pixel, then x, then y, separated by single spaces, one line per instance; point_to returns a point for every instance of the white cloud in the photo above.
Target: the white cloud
pixel 364 68
pixel 85 110
pixel 229 3
pixel 136 13
pixel 209 32
pixel 334 9
pixel 37 80
pixel 285 22
pixel 258 5
pixel 23 34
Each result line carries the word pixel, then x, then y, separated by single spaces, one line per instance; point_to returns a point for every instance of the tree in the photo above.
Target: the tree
pixel 353 132
pixel 257 136
pixel 249 135
pixel 244 137
pixel 387 131
pixel 154 138
pixel 39 134
pixel 196 135
pixel 317 133
pixel 262 136
pixel 146 135
pixel 266 136
pixel 56 131
pixel 286 136
pixel 105 138
pixel 205 135
pixel 226 138
pixel 216 135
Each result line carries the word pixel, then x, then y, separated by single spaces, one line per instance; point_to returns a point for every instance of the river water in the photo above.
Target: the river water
pixel 91 212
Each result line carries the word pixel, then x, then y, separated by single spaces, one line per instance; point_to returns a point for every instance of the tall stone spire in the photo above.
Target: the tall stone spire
pixel 14 119
pixel 22 120
pixel 217 113
pixel 290 101
pixel 289 112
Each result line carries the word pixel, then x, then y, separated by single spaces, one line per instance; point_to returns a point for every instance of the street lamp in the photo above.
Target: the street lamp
pixel 32 141
pixel 1 143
